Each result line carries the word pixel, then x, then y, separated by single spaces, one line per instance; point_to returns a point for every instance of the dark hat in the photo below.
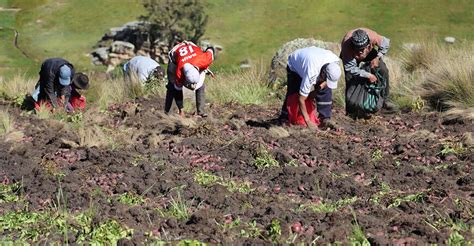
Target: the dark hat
pixel 80 81
pixel 360 39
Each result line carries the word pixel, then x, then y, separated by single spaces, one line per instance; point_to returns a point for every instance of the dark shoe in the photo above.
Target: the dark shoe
pixel 389 107
pixel 328 123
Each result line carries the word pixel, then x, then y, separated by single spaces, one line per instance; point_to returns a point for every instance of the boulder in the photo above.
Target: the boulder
pixel 279 60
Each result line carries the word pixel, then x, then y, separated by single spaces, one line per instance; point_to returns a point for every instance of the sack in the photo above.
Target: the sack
pixel 365 97
pixel 294 115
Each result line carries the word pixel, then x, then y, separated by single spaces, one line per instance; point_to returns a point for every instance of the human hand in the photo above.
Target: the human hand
pixel 372 78
pixel 323 85
pixel 311 125
pixel 375 62
pixel 69 108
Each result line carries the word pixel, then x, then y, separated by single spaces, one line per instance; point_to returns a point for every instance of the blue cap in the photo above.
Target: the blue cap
pixel 65 75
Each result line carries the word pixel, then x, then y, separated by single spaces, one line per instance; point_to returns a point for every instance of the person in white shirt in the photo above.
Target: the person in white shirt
pixel 313 73
pixel 143 68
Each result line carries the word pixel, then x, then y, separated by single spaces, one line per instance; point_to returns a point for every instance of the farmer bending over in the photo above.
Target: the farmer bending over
pixel 58 86
pixel 187 67
pixel 364 45
pixel 143 69
pixel 312 73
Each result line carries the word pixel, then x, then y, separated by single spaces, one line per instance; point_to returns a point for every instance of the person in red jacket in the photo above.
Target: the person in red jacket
pixel 187 67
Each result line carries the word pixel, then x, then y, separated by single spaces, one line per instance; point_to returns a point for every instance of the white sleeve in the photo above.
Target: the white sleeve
pixel 305 87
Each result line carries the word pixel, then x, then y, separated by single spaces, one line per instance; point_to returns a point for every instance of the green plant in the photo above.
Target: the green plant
pixel 397 201
pixel 377 155
pixel 109 232
pixel 358 236
pixel 274 230
pixel 130 199
pixel 177 208
pixel 456 239
pixel 189 242
pixel 10 192
pixel 264 159
pixel 457 149
pixel 208 179
pixel 252 230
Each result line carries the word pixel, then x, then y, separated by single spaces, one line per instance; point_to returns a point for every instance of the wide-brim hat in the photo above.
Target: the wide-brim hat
pixel 80 81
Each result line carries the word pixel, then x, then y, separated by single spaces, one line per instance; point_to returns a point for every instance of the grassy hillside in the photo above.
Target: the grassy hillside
pixel 248 29
pixel 12 61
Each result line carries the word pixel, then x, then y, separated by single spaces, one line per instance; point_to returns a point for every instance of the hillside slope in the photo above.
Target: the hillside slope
pixel 248 29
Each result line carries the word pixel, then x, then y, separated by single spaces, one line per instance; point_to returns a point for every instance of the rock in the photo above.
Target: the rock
pixel 450 40
pixel 278 66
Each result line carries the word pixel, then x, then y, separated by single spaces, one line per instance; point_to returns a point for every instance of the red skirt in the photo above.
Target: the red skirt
pixel 294 115
pixel 77 102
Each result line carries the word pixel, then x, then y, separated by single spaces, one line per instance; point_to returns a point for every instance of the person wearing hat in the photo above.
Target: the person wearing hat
pixel 143 68
pixel 312 74
pixel 58 85
pixel 365 45
pixel 187 67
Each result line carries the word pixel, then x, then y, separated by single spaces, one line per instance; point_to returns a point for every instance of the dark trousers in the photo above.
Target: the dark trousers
pixel 323 96
pixel 177 95
pixel 383 71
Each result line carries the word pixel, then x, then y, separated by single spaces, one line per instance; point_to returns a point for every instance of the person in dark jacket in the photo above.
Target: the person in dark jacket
pixel 365 45
pixel 58 84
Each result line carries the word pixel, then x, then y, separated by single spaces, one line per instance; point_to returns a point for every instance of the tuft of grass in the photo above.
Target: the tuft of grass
pixel 450 81
pixel 243 87
pixel 16 88
pixel 177 208
pixel 358 236
pixel 6 122
pixel 419 57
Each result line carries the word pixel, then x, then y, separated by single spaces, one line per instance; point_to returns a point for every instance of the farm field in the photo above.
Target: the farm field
pixel 124 173
pixel 236 176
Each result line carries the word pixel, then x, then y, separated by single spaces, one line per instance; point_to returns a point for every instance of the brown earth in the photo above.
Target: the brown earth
pixel 388 174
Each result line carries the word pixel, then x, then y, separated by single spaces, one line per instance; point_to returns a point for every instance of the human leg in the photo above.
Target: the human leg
pixel 201 100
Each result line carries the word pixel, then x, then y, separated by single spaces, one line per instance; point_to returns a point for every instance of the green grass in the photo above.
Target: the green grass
pixel 247 29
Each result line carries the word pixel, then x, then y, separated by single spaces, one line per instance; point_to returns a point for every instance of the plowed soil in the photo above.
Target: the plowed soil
pixel 396 177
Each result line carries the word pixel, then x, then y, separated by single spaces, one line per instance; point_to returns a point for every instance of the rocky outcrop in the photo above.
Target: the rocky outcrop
pixel 120 44
pixel 278 66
